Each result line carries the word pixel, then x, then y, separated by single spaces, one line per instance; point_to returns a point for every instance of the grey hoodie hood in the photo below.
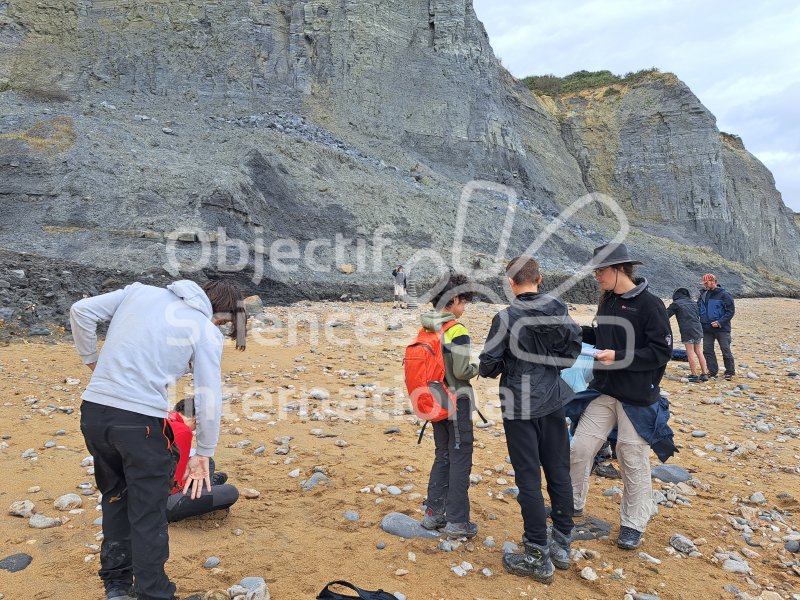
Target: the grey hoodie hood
pixel 433 321
pixel 193 295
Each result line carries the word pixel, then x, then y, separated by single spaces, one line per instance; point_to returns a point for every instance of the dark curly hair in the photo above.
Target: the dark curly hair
pixel 451 286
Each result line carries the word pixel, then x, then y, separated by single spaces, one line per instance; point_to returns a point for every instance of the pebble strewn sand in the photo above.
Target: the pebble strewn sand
pixel 300 540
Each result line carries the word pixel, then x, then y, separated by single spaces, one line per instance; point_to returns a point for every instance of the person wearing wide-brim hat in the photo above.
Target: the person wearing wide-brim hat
pixel 626 377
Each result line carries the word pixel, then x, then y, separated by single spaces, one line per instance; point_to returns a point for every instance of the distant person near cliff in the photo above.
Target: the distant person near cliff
pixel 686 312
pixel 400 285
pixel 716 311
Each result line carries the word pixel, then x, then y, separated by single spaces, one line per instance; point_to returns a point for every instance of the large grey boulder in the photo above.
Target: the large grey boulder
pixel 405 527
pixel 670 473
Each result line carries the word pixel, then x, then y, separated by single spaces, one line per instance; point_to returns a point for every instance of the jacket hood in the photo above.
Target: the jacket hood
pixel 193 295
pixel 433 321
pixel 641 285
pixel 552 311
pixel 681 293
pixel 540 304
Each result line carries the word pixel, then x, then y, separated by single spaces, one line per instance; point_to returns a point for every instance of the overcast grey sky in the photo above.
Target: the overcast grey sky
pixel 742 59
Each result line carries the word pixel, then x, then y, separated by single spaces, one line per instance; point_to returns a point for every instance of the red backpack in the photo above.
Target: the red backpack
pixel 431 399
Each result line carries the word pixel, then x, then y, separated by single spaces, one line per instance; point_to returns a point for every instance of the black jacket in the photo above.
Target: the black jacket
pixel 640 362
pixel 528 344
pixel 684 309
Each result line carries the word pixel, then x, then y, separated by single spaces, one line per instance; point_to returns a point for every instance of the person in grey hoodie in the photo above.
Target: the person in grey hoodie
pixel 153 336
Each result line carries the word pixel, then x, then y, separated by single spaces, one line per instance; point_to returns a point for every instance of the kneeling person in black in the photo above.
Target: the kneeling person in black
pixel 220 496
pixel 529 343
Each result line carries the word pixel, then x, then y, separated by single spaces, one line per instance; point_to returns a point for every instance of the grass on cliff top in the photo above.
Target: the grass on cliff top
pixel 550 85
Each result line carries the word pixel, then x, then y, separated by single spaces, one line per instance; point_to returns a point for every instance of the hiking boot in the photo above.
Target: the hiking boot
pixel 559 548
pixel 607 470
pixel 219 478
pixel 577 512
pixel 119 591
pixel 533 562
pixel 433 522
pixel 455 531
pixel 629 538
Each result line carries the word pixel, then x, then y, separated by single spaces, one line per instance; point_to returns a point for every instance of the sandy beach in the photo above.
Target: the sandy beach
pixel 299 540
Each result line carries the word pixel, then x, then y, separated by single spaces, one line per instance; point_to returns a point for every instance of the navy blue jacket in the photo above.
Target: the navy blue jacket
pixel 651 422
pixel 716 305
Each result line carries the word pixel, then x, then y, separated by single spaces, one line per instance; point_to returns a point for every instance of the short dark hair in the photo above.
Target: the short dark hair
pixel 523 269
pixel 185 407
pixel 451 286
pixel 227 300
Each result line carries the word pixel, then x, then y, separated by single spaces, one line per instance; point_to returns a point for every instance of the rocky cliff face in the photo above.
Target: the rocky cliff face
pixel 124 121
pixel 657 149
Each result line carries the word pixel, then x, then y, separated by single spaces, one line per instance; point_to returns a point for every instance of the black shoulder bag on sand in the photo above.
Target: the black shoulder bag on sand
pixel 327 594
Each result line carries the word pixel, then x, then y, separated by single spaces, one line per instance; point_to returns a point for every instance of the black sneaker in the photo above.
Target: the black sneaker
pixel 703 378
pixel 533 562
pixel 607 470
pixel 219 478
pixel 433 521
pixel 119 591
pixel 559 545
pixel 629 538
pixel 456 531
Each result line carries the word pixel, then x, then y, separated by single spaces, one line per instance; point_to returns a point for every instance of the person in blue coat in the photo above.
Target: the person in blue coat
pixel 716 311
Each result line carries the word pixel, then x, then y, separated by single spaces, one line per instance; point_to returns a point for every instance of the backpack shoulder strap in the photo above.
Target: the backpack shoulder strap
pixel 449 324
pixel 328 594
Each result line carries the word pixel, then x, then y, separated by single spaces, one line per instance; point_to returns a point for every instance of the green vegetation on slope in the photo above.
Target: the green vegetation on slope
pixel 550 85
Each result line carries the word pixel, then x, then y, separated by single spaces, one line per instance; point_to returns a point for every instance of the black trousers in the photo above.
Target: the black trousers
pixel 133 466
pixel 533 445
pixel 448 486
pixel 180 506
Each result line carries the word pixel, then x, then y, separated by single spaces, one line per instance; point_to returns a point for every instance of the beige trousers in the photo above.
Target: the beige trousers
pixel 633 453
